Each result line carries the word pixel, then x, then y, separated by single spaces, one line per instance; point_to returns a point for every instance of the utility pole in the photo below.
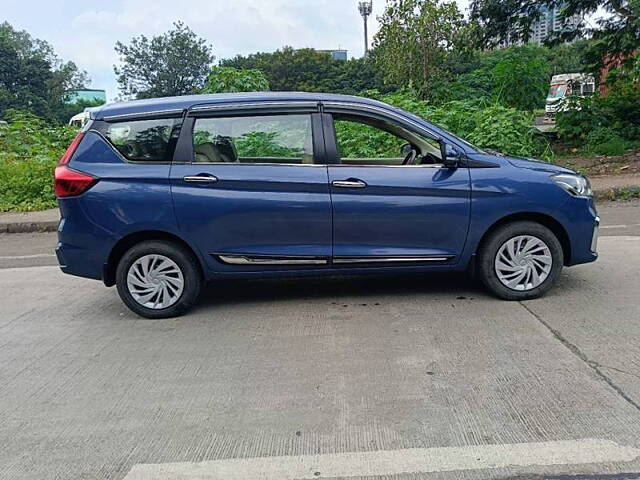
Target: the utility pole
pixel 365 10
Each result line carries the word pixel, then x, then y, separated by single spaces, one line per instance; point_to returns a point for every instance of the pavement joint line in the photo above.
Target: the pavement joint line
pixel 595 366
pixel 26 257
pixel 392 462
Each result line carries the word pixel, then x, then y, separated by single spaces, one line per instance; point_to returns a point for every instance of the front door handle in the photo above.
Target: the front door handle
pixel 202 178
pixel 349 183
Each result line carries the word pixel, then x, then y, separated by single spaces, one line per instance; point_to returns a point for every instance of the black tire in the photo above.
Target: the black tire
pixel 497 238
pixel 185 261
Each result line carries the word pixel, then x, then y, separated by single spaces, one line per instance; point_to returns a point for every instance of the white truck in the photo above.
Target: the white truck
pixel 565 86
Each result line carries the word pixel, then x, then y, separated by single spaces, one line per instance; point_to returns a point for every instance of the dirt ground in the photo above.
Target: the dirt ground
pixel 601 165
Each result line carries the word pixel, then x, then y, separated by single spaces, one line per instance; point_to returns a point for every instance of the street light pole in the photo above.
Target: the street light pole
pixel 365 10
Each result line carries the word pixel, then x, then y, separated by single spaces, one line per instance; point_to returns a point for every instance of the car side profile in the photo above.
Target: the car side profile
pixel 160 196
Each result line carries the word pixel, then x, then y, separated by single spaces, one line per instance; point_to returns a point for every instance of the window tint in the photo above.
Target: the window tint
pixel 362 143
pixel 144 140
pixel 261 139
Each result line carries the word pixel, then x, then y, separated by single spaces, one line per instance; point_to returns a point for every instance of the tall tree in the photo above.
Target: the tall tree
pixel 414 38
pixel 614 34
pixel 175 63
pixel 307 69
pixel 32 77
pixel 229 79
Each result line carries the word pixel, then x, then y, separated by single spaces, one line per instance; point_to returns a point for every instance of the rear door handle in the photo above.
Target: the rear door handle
pixel 202 178
pixel 349 183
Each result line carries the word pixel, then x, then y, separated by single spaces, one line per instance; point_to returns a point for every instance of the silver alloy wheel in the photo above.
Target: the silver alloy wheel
pixel 155 281
pixel 523 262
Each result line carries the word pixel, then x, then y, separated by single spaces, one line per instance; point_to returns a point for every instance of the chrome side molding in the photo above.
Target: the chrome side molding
pixel 237 259
pixel 346 260
pixel 266 260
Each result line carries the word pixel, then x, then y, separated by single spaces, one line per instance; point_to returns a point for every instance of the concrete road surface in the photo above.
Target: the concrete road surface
pixel 399 377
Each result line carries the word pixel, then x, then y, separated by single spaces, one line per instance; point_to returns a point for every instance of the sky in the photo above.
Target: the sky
pixel 85 32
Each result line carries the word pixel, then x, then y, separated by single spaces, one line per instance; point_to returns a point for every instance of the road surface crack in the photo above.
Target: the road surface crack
pixel 595 366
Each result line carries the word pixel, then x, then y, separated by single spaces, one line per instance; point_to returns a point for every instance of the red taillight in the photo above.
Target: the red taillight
pixel 72 148
pixel 69 183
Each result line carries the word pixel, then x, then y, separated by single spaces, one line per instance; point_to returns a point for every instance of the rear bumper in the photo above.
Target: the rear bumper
pixel 82 248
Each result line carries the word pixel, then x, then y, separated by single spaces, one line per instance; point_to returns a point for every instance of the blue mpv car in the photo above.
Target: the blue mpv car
pixel 159 196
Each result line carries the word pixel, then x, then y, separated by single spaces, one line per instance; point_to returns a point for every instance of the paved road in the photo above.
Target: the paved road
pixel 324 378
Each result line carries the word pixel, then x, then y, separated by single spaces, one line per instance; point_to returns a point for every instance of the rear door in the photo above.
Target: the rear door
pixel 249 188
pixel 394 203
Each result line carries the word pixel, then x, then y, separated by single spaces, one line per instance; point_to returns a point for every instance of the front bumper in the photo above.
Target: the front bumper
pixel 594 237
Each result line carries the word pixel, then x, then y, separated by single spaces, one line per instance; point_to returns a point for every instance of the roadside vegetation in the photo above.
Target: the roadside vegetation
pixel 453 75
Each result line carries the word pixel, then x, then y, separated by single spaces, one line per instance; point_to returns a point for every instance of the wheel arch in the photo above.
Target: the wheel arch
pixel 128 241
pixel 548 221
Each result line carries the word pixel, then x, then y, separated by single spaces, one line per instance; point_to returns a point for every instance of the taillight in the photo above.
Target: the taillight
pixel 69 183
pixel 71 149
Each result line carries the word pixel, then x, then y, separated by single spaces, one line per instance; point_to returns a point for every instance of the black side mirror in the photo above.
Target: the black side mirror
pixel 451 156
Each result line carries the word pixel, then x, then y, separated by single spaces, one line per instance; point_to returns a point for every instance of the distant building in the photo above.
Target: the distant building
pixel 87 95
pixel 336 54
pixel 549 23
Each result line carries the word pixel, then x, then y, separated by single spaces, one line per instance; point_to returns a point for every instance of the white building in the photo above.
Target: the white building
pixel 550 22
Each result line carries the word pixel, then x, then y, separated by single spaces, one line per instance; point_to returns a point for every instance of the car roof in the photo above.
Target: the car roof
pixel 152 105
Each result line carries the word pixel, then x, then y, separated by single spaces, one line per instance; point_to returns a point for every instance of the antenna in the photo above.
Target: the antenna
pixel 365 10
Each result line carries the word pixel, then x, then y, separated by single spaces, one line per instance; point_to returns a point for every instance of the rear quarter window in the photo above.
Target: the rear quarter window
pixel 144 140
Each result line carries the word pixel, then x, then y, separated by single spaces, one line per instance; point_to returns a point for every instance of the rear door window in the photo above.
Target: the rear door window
pixel 273 139
pixel 144 140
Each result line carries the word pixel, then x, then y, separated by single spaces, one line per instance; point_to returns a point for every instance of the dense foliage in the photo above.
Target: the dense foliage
pixel 30 147
pixel 175 63
pixel 606 125
pixel 32 77
pixel 229 80
pixel 614 34
pixel 487 125
pixel 313 71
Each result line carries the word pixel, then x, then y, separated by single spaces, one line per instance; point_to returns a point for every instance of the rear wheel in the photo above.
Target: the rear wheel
pixel 158 279
pixel 520 260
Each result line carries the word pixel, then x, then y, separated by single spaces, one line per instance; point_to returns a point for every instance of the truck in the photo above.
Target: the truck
pixel 566 86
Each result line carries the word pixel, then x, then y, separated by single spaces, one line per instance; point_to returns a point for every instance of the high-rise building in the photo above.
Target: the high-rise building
pixel 550 22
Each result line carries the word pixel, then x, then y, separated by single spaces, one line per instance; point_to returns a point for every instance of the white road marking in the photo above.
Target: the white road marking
pixel 621 226
pixel 26 257
pixel 392 462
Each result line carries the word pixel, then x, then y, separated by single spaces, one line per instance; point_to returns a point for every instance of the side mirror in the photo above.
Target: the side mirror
pixel 451 156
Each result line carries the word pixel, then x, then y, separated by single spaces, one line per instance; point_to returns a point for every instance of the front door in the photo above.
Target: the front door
pixel 251 197
pixel 393 200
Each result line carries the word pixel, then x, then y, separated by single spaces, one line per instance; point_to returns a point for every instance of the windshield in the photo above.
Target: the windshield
pixel 557 91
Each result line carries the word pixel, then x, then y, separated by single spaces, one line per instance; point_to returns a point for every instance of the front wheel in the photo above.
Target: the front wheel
pixel 520 260
pixel 158 279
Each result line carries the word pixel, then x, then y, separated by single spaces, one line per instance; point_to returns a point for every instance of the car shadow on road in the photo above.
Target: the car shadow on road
pixel 228 292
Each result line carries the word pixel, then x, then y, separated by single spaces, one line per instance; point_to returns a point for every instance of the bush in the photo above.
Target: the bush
pixel 487 125
pixel 29 151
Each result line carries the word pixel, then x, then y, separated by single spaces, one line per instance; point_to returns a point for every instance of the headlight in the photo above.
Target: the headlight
pixel 576 185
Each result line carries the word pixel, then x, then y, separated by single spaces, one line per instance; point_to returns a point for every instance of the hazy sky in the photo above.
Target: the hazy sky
pixel 85 31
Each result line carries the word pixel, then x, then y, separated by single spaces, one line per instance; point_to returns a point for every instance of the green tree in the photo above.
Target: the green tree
pixel 175 63
pixel 614 34
pixel 32 77
pixel 414 39
pixel 229 79
pixel 516 77
pixel 287 69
